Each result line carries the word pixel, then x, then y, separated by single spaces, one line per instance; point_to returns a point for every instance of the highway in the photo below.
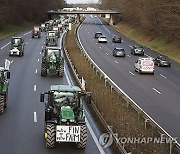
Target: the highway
pixel 22 123
pixel 158 94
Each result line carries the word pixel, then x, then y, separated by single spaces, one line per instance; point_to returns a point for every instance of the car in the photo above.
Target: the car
pixel 116 39
pixel 97 34
pixel 137 50
pixel 102 39
pixel 162 60
pixel 144 65
pixel 119 52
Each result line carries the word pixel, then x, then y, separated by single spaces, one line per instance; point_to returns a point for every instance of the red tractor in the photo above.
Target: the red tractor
pixel 36 32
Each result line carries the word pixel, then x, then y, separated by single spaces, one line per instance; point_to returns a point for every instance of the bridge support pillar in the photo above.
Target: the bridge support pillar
pixel 111 20
pixel 78 18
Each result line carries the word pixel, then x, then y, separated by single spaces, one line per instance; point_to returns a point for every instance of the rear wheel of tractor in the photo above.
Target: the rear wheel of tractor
pixel 1 104
pixel 83 138
pixel 61 70
pixel 43 69
pixel 51 135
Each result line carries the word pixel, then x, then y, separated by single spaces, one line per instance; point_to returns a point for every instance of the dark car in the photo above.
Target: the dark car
pixel 97 34
pixel 116 39
pixel 137 50
pixel 162 60
pixel 119 52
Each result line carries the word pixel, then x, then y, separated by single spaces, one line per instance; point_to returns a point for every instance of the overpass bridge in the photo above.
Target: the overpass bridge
pixel 109 13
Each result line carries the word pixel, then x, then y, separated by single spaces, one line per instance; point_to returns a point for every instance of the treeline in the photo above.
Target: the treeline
pixel 159 16
pixel 18 11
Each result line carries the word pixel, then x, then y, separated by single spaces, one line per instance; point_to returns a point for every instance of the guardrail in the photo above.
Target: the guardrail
pixel 128 99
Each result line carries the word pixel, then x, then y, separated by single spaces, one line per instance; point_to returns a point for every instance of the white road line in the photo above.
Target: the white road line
pixel 26 42
pixel 107 54
pixel 35 117
pixel 35 88
pixel 44 42
pixel 112 44
pixel 157 91
pixel 42 46
pixel 36 71
pixel 130 46
pixel 116 62
pixel 30 39
pixel 100 48
pixel 163 76
pixel 5 45
pixel 12 61
pixel 38 60
pixel 96 43
pixel 27 33
pixel 131 73
pixel 128 55
pixel 87 123
pixel 108 30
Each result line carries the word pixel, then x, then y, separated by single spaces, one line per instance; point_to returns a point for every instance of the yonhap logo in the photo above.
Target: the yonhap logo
pixel 106 140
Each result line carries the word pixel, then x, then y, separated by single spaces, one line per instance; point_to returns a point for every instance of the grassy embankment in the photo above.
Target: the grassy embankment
pixel 13 29
pixel 160 44
pixel 124 119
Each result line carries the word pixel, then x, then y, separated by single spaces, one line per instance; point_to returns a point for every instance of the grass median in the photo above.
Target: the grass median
pixel 126 122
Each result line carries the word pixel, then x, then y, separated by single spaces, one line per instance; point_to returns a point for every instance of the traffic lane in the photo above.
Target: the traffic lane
pixel 99 57
pixel 24 113
pixel 6 42
pixel 172 73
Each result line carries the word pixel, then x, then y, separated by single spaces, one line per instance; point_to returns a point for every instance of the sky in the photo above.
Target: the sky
pixel 81 1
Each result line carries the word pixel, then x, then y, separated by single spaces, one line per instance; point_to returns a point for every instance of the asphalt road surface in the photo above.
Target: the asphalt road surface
pixel 158 94
pixel 22 123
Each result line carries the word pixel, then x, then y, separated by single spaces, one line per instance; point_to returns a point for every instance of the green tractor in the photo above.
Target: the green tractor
pixel 64 116
pixel 17 46
pixel 51 38
pixel 52 61
pixel 4 75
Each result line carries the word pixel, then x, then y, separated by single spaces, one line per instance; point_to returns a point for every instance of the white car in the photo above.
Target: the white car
pixel 144 65
pixel 102 39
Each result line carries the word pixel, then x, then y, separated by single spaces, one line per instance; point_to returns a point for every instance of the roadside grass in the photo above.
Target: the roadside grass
pixel 126 122
pixel 13 29
pixel 160 44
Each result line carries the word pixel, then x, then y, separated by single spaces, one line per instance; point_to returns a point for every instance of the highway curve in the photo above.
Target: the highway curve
pixel 22 123
pixel 158 94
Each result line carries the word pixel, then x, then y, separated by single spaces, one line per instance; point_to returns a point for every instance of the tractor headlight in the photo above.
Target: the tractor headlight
pixel 63 120
pixel 71 120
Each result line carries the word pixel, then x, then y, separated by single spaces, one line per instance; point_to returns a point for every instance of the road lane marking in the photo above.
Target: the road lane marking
pixel 157 91
pixel 163 76
pixel 96 43
pixel 35 117
pixel 12 61
pixel 108 30
pixel 26 42
pixel 35 88
pixel 100 48
pixel 27 33
pixel 107 54
pixel 131 73
pixel 5 45
pixel 116 62
pixel 36 71
pixel 38 60
pixel 30 39
pixel 42 46
pixel 128 55
pixel 44 42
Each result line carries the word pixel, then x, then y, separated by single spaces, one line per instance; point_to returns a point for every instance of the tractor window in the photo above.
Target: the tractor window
pixel 16 41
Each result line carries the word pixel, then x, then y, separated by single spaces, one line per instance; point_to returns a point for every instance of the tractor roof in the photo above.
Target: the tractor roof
pixel 16 37
pixel 58 48
pixel 65 88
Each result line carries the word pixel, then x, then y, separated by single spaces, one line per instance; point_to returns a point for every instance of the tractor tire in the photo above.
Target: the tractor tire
pixel 61 71
pixel 1 104
pixel 43 69
pixel 83 138
pixel 51 135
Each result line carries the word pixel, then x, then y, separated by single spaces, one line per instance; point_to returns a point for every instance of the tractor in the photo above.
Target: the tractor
pixel 36 32
pixel 17 46
pixel 51 38
pixel 52 61
pixel 64 116
pixel 4 75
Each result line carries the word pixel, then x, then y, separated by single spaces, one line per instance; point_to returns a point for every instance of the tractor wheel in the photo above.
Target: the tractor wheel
pixel 43 69
pixel 61 71
pixel 51 135
pixel 83 138
pixel 1 103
